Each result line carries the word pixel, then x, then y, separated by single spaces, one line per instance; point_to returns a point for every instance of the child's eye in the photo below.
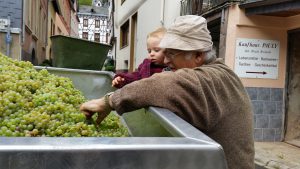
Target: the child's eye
pixel 157 49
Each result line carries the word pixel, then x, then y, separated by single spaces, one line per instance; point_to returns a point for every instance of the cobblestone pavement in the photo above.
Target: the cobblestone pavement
pixel 276 155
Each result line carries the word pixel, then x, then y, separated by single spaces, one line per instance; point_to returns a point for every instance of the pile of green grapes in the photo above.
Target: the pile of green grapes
pixel 37 103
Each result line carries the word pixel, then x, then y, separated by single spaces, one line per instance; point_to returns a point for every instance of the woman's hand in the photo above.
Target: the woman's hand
pixel 97 105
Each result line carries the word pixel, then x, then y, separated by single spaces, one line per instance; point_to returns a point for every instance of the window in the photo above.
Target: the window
pixel 191 7
pixel 51 28
pixel 124 34
pixel 44 29
pixel 106 38
pixel 59 31
pixel 85 22
pixel 97 23
pixel 97 37
pixel 85 35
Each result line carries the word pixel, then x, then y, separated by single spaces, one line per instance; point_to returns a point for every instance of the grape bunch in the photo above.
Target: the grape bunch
pixel 38 103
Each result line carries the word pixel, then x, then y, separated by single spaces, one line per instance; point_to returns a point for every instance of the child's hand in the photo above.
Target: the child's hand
pixel 117 81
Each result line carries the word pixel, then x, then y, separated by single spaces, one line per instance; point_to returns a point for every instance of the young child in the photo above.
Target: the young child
pixel 154 63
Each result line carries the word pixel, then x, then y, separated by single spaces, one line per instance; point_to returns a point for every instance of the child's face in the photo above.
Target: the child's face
pixel 155 53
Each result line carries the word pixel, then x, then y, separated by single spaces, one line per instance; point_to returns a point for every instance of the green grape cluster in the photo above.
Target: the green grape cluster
pixel 38 103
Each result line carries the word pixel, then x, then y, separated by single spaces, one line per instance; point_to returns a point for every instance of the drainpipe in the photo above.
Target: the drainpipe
pixel 162 13
pixel 22 33
pixel 8 37
pixel 113 34
pixel 223 16
pixel 46 38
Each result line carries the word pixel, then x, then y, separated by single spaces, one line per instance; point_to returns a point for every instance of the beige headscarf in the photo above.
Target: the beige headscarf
pixel 188 33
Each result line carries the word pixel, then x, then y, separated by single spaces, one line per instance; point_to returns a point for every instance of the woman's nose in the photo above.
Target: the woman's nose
pixel 166 60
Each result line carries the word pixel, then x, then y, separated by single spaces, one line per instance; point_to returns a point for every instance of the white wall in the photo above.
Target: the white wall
pixel 151 15
pixel 127 9
pixel 172 10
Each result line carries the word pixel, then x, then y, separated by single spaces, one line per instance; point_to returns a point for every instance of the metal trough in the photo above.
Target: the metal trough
pixel 160 140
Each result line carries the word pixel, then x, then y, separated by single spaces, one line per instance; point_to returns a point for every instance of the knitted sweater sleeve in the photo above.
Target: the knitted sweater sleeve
pixel 142 72
pixel 182 92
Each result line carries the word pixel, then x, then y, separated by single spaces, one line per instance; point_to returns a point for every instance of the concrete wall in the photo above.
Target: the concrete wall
pixel 267 95
pixel 66 14
pixel 293 90
pixel 147 21
pixel 74 25
pixel 15 47
pixel 60 26
pixel 151 15
pixel 51 16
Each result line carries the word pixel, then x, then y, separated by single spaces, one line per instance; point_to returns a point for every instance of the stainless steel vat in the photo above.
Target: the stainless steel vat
pixel 160 140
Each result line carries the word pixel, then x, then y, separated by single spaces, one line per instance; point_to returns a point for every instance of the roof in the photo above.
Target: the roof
pixel 281 8
pixel 93 10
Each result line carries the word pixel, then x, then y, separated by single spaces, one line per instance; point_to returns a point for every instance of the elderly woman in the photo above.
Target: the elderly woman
pixel 201 90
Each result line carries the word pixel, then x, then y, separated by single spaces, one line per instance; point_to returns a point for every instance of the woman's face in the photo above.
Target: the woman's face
pixel 177 59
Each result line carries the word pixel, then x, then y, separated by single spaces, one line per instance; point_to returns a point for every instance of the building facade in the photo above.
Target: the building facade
pixel 11 37
pixel 93 23
pixel 28 30
pixel 32 23
pixel 62 20
pixel 35 15
pixel 74 19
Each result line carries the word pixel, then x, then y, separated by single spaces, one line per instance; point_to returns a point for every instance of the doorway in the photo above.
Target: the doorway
pixel 33 59
pixel 132 42
pixel 292 119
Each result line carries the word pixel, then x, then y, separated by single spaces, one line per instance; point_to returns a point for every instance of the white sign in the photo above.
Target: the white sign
pixel 3 23
pixel 256 58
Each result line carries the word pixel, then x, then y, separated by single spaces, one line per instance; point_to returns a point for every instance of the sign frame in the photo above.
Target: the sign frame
pixel 257 58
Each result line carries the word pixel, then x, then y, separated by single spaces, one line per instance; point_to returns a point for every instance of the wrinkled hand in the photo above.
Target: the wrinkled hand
pixel 117 81
pixel 97 105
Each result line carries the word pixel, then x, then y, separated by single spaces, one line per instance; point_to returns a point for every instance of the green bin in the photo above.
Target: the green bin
pixel 69 52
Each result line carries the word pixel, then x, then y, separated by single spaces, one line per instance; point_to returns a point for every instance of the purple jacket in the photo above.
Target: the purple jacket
pixel 145 69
